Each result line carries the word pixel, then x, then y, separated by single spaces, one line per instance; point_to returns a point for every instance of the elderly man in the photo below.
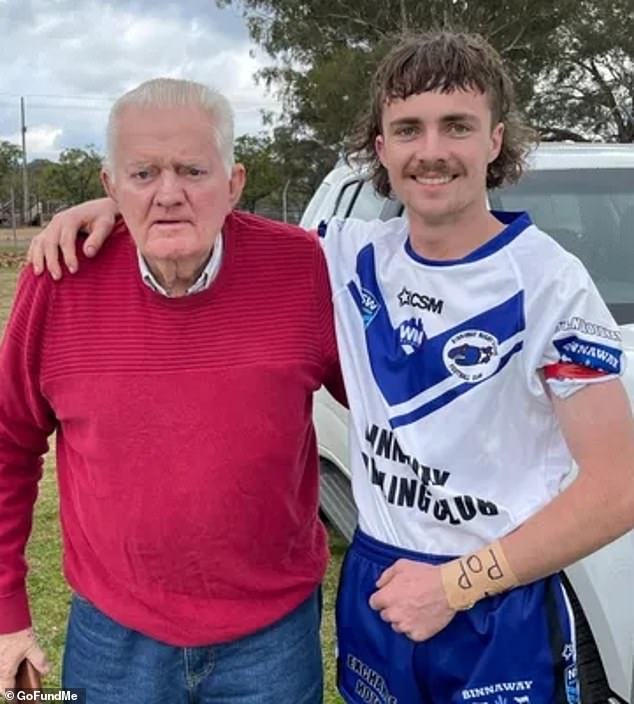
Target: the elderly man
pixel 177 371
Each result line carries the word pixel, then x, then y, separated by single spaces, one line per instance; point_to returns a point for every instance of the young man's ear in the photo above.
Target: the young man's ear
pixel 236 183
pixel 497 139
pixel 379 148
pixel 108 184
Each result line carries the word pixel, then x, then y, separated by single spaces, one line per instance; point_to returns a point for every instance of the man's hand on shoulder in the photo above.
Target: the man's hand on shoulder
pixel 411 597
pixel 96 217
pixel 14 648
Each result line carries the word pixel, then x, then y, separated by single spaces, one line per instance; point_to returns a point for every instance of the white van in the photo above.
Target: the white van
pixel 583 196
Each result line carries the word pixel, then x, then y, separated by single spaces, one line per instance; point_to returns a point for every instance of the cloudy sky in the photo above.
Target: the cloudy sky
pixel 71 58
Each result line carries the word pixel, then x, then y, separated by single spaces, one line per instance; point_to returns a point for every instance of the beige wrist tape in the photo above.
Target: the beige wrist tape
pixel 473 577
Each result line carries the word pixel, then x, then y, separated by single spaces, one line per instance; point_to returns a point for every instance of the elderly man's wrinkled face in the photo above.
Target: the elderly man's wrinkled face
pixel 170 183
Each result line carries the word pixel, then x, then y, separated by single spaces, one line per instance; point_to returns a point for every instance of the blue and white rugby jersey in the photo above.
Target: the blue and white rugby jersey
pixel 453 438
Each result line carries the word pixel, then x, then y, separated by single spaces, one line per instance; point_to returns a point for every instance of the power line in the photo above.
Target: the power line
pixel 61 96
pixel 74 96
pixel 81 108
pixel 235 102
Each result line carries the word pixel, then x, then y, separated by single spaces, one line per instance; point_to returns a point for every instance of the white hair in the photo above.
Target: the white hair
pixel 173 92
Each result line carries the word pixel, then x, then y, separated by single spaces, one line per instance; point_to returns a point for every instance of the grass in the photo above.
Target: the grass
pixel 48 592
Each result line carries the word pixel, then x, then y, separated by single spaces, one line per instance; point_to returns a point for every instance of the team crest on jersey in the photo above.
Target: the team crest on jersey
pixel 411 335
pixel 472 355
pixel 369 307
pixel 418 373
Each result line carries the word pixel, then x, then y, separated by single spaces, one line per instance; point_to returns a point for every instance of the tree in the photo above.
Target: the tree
pixel 283 171
pixel 74 179
pixel 264 175
pixel 304 162
pixel 41 185
pixel 326 52
pixel 10 159
pixel 572 61
pixel 591 88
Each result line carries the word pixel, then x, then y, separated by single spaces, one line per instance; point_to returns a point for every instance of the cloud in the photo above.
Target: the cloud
pixel 43 141
pixel 71 58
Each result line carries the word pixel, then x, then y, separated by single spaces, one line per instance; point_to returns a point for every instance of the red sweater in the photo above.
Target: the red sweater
pixel 186 455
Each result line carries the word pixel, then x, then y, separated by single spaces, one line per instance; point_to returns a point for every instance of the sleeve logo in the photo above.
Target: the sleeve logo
pixel 575 350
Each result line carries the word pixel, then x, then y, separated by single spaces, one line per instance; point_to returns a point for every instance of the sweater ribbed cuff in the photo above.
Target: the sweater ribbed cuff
pixel 14 613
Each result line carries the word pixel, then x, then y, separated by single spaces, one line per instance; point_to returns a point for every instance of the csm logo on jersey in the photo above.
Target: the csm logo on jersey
pixel 471 355
pixel 419 300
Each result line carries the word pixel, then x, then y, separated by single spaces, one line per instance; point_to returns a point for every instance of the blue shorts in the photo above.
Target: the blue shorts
pixel 513 648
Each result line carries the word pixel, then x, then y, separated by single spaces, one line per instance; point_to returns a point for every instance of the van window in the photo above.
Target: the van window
pixel 346 197
pixel 590 212
pixel 369 204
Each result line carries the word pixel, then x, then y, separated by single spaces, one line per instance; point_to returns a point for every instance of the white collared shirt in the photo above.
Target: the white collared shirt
pixel 207 275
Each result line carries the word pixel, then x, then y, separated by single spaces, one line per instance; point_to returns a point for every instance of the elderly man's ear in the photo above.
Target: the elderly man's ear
pixel 106 182
pixel 237 182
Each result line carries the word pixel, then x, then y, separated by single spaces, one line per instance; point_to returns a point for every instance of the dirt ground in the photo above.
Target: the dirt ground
pixel 22 237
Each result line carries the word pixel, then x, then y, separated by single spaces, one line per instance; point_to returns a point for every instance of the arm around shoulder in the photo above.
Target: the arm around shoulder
pixel 96 217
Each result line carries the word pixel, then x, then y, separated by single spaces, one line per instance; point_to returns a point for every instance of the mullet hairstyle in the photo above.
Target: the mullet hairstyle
pixel 443 61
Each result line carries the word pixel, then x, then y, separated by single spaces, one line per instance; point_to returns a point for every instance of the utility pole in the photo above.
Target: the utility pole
pixel 25 179
pixel 15 232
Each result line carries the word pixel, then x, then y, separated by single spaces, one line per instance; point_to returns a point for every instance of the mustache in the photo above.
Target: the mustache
pixel 440 167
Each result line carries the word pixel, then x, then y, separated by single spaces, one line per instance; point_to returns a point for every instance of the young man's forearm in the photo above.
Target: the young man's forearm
pixel 572 526
pixel 595 509
pixel 582 519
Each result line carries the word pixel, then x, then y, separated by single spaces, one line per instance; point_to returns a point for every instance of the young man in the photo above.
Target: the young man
pixel 465 415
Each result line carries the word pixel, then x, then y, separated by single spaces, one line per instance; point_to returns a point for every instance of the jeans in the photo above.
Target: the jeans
pixel 280 664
